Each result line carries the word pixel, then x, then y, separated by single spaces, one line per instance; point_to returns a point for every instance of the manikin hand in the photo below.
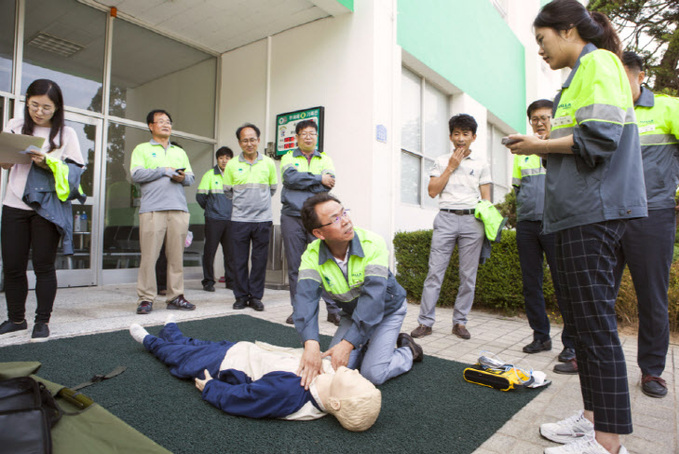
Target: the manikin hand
pixel 310 364
pixel 200 384
pixel 340 354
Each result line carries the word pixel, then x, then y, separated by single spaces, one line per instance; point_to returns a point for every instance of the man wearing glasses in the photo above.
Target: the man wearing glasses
pixel 250 180
pixel 528 179
pixel 162 170
pixel 304 172
pixel 351 264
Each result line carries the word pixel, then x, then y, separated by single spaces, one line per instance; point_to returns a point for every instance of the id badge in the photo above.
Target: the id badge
pixel 562 121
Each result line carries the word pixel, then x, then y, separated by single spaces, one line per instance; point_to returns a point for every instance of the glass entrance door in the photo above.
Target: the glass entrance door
pixel 79 269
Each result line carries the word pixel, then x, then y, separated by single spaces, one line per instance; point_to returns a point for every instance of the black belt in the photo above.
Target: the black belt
pixel 458 211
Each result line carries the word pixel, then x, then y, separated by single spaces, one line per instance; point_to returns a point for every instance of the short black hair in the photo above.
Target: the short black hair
pixel 308 212
pixel 463 122
pixel 224 151
pixel 305 124
pixel 152 115
pixel 632 60
pixel 245 126
pixel 539 104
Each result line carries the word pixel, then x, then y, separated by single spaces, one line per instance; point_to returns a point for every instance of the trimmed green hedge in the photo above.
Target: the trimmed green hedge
pixel 498 282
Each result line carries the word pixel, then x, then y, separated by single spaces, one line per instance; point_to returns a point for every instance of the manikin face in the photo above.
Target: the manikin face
pixel 161 127
pixel 41 109
pixel 335 221
pixel 249 142
pixel 222 161
pixel 346 383
pixel 541 121
pixel 306 139
pixel 462 139
pixel 552 45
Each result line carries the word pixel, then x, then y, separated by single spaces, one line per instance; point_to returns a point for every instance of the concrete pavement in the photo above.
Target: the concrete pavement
pixel 91 310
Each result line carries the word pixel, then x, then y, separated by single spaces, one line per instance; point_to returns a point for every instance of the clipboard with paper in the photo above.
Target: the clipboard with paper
pixel 17 148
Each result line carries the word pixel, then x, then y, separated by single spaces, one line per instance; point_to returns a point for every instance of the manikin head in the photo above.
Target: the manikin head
pixel 350 398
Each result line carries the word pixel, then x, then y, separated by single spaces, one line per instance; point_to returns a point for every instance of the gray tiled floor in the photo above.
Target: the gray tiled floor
pixel 110 308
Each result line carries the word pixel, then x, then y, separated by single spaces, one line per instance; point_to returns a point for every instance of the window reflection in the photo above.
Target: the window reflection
pixel 174 77
pixel 6 43
pixel 64 42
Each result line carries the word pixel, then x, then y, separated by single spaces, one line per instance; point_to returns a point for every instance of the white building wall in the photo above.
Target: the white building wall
pixel 351 65
pixel 345 65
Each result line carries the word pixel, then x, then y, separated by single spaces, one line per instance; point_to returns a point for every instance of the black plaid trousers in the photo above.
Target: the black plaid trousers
pixel 586 259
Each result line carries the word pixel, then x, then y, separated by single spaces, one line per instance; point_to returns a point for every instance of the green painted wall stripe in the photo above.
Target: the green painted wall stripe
pixel 348 4
pixel 469 44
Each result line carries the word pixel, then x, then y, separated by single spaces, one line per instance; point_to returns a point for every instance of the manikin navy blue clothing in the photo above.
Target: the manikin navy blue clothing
pixel 237 387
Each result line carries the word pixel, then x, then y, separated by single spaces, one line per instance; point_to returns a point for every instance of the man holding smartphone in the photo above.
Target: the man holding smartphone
pixel 162 170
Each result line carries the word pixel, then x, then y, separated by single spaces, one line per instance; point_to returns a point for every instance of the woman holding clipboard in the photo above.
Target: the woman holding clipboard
pixel 36 210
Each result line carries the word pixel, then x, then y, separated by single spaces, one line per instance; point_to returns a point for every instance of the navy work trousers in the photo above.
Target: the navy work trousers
pixel 250 241
pixel 647 245
pixel 533 246
pixel 217 232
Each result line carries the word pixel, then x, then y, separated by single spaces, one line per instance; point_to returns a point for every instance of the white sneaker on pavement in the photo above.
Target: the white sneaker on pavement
pixel 571 429
pixel 583 446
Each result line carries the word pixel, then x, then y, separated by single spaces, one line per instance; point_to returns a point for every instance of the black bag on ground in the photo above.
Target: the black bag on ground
pixel 27 413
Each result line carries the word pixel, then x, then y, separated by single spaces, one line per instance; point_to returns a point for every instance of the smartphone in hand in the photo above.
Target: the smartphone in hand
pixel 508 141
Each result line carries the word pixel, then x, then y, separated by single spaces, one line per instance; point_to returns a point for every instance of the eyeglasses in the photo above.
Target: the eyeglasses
pixel 246 141
pixel 163 123
pixel 45 109
pixel 336 219
pixel 307 135
pixel 544 119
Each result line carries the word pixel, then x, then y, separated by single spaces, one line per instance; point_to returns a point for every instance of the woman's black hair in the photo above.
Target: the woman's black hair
pixel 50 88
pixel 592 26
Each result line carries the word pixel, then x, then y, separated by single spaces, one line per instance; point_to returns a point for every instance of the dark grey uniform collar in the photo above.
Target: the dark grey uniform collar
pixel 646 99
pixel 297 153
pixel 589 47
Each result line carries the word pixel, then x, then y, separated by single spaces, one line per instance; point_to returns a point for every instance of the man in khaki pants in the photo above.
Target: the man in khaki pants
pixel 162 170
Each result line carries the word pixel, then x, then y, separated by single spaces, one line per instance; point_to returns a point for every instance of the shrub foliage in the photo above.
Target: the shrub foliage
pixel 498 284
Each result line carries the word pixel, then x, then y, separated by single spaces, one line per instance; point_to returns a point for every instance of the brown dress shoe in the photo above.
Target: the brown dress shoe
pixel 461 331
pixel 421 331
pixel 289 320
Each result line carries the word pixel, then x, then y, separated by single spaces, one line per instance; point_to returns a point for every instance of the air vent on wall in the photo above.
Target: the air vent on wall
pixel 55 45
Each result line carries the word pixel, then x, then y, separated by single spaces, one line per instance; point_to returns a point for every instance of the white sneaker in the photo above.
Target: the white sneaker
pixel 583 446
pixel 571 429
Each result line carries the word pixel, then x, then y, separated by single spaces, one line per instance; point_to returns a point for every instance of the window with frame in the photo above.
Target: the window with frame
pixel 424 135
pixel 500 164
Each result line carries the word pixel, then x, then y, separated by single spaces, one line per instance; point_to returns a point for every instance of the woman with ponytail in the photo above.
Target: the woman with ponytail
pixel 36 210
pixel 594 184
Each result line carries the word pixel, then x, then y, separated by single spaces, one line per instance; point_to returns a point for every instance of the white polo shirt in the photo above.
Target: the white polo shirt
pixel 462 190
